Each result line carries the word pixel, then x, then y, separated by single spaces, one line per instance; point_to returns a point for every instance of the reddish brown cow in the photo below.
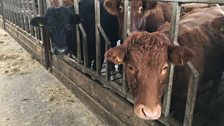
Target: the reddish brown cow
pixel 149 15
pixel 116 8
pixel 190 7
pixel 147 56
pixel 145 15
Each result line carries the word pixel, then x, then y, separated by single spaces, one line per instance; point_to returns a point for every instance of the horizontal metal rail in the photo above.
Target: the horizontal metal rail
pixel 191 1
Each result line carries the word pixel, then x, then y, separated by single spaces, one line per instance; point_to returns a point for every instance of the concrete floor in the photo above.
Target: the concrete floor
pixel 30 96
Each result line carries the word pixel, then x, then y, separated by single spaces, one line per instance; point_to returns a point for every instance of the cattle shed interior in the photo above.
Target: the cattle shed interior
pixel 101 84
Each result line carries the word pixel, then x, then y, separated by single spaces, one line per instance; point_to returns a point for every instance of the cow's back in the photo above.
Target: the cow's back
pixel 201 16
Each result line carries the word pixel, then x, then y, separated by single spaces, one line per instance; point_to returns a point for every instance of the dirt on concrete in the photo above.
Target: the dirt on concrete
pixel 30 96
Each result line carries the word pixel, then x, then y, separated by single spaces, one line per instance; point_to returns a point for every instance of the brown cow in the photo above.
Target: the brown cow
pixel 116 8
pixel 147 56
pixel 188 8
pixel 145 15
pixel 149 15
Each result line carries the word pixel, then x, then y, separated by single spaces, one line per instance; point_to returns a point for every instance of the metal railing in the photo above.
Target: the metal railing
pixel 20 12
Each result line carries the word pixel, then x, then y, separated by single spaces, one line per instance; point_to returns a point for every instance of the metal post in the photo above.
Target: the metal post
pixel 85 45
pixel 176 9
pixel 125 30
pixel 45 39
pixel 98 42
pixel 3 13
pixel 191 96
pixel 78 41
pixel 33 14
pixel 107 46
pixel 21 15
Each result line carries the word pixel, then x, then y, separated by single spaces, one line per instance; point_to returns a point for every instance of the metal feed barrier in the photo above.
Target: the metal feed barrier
pixel 19 13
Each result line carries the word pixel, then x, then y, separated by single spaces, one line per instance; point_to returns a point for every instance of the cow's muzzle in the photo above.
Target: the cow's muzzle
pixel 60 51
pixel 148 113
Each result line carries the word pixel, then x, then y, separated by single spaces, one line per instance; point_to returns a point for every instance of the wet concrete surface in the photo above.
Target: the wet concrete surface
pixel 31 96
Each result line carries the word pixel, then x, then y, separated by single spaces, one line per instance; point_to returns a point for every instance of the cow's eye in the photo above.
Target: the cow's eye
pixel 165 68
pixel 140 9
pixel 131 68
pixel 120 8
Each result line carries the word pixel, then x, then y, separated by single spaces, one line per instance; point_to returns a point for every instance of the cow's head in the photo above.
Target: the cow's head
pixel 147 57
pixel 148 15
pixel 116 8
pixel 60 23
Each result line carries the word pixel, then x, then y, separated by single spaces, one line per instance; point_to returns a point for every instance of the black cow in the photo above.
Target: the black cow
pixel 60 23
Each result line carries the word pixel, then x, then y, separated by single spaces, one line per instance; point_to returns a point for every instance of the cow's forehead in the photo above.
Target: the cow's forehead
pixel 150 57
pixel 57 11
pixel 136 3
pixel 147 47
pixel 57 16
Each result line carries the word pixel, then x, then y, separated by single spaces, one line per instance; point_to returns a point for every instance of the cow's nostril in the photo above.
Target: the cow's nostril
pixel 148 113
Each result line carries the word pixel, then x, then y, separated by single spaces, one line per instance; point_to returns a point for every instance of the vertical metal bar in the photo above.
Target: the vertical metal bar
pixel 28 10
pixel 21 15
pixel 107 46
pixel 108 65
pixel 17 14
pixel 176 9
pixel 39 31
pixel 41 12
pixel 11 12
pixel 191 96
pixel 45 37
pixel 8 12
pixel 125 29
pixel 27 15
pixel 33 14
pixel 0 7
pixel 3 13
pixel 85 46
pixel 24 14
pixel 78 41
pixel 7 15
pixel 5 10
pixel 14 12
pixel 98 42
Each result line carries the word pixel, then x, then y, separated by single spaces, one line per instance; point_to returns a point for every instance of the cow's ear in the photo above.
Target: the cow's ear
pixel 110 6
pixel 179 55
pixel 38 21
pixel 75 18
pixel 149 4
pixel 115 55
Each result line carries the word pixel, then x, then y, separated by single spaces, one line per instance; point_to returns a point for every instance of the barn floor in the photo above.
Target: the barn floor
pixel 30 96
